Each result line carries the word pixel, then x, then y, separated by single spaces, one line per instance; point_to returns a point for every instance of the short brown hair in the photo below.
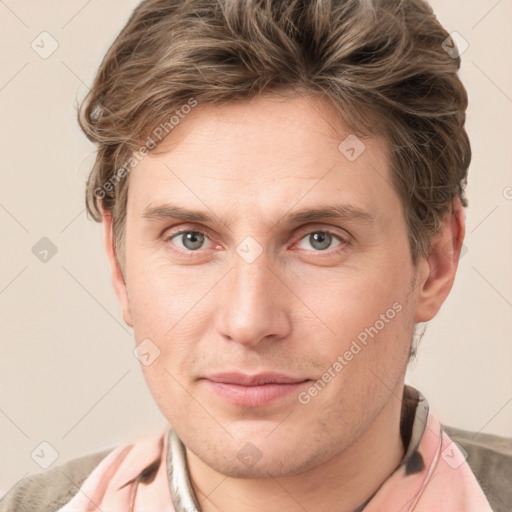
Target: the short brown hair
pixel 380 62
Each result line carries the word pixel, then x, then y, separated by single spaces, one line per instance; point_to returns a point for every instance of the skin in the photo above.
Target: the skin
pixel 294 309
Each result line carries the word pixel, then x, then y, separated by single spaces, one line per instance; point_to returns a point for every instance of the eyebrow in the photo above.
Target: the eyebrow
pixel 345 212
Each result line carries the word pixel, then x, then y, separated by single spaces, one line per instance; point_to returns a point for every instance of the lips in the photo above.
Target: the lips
pixel 253 390
pixel 253 380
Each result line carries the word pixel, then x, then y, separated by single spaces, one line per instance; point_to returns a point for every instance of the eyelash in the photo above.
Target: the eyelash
pixel 344 241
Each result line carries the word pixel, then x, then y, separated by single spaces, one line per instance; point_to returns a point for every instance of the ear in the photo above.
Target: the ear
pixel 439 268
pixel 117 275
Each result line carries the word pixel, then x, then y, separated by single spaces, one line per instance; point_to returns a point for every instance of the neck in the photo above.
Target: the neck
pixel 342 483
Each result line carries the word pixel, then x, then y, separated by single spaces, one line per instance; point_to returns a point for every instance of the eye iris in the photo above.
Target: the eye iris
pixel 192 240
pixel 320 240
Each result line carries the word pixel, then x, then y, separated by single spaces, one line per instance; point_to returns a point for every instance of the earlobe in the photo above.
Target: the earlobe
pixel 441 264
pixel 118 280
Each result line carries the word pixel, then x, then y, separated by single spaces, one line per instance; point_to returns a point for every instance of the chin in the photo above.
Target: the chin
pixel 261 459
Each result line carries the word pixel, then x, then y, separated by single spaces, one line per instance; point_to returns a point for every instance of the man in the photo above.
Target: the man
pixel 281 185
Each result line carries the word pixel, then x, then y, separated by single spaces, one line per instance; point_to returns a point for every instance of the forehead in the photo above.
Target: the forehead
pixel 267 155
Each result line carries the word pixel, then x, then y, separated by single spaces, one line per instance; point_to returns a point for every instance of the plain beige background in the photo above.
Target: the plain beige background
pixel 69 378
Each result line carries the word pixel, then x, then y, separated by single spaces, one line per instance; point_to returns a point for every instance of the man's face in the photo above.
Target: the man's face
pixel 258 289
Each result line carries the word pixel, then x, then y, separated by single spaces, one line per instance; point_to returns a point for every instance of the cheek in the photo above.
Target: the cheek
pixel 163 299
pixel 370 318
pixel 350 301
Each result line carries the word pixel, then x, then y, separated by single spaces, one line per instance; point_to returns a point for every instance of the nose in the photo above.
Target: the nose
pixel 253 304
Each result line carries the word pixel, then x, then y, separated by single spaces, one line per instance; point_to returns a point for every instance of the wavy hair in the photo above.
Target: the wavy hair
pixel 381 63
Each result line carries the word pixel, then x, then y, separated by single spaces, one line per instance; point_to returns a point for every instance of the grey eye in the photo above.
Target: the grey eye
pixel 191 240
pixel 320 240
